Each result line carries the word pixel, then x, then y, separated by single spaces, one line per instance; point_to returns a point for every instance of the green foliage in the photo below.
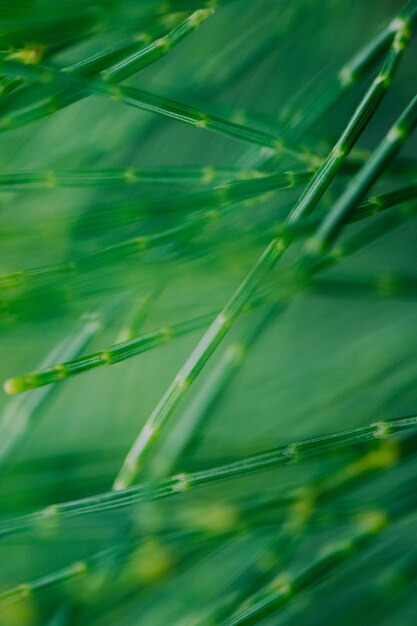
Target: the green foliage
pixel 207 293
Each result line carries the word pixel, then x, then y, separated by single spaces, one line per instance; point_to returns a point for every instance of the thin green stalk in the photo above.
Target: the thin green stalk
pixel 108 356
pixel 329 229
pixel 23 591
pixel 115 64
pixel 223 195
pixel 180 483
pixel 144 57
pixel 370 524
pixel 189 426
pixel 131 176
pixel 304 505
pixel 384 284
pixel 222 323
pixel 19 413
pixel 143 100
pixel 349 76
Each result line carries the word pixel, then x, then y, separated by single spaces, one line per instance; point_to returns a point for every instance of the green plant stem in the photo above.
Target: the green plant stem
pixel 388 284
pixel 303 506
pixel 271 255
pixel 181 483
pixel 330 227
pixel 283 589
pixel 349 75
pixel 131 176
pixel 144 100
pixel 223 195
pixel 108 356
pixel 194 418
pixel 19 413
pixel 385 284
pixel 119 62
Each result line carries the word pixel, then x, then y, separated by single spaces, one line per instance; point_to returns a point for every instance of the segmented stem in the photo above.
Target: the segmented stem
pixel 218 329
pixel 360 184
pixel 144 100
pixel 385 284
pixel 130 176
pixel 262 461
pixel 222 195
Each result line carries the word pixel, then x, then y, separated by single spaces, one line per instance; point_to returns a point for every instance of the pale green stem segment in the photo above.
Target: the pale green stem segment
pixel 330 227
pixel 320 491
pixel 349 76
pixel 108 356
pixel 218 329
pixel 223 195
pixel 262 461
pixel 191 422
pixel 24 591
pixel 131 176
pixel 381 284
pixel 19 412
pixel 193 365
pixel 369 525
pixel 130 346
pixel 143 100
pixel 115 64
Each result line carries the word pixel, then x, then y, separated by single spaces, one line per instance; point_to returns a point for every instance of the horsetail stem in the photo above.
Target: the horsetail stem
pixel 351 73
pixel 108 356
pixel 144 57
pixel 119 62
pixel 324 490
pixel 223 195
pixel 384 284
pixel 25 590
pixel 361 183
pixel 271 255
pixel 174 485
pixel 51 179
pixel 19 413
pixel 195 416
pixel 370 524
pixel 146 101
